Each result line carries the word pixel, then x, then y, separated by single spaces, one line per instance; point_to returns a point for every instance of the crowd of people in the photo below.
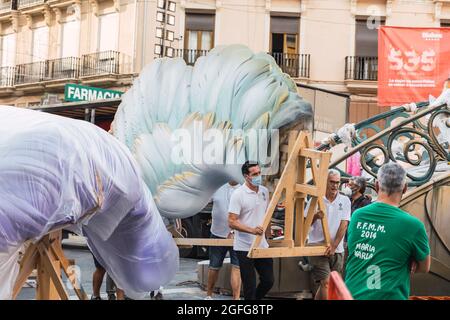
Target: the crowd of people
pixel 375 246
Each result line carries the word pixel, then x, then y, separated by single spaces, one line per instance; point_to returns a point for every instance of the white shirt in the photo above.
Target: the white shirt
pixel 338 210
pixel 251 208
pixel 221 202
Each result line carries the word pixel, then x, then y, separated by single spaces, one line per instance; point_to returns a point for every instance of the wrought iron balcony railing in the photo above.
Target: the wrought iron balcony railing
pixel 64 68
pixel 31 72
pixel 361 68
pixel 295 65
pixel 29 3
pixel 106 62
pixel 190 56
pixel 7 75
pixel 7 6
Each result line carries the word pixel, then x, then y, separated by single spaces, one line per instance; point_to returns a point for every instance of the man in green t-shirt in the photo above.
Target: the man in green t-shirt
pixel 385 244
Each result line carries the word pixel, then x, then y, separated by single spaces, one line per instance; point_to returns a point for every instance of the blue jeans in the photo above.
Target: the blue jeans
pixel 217 255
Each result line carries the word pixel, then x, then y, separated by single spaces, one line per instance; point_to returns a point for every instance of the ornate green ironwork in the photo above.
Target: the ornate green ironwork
pixel 412 140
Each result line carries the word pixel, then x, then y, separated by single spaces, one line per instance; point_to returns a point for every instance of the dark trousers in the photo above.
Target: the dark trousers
pixel 264 267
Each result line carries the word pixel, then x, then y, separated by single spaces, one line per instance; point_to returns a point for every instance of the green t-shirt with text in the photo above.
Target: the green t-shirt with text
pixel 382 240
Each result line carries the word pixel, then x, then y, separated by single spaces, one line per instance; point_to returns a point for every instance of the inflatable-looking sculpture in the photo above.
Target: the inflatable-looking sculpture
pixel 58 173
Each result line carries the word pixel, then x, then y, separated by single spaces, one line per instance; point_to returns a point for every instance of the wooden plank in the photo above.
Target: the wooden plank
pixel 66 264
pixel 300 203
pixel 322 186
pixel 307 189
pixel 289 191
pixel 208 242
pixel 49 270
pixel 287 252
pixel 311 153
pixel 27 265
pixel 322 174
pixel 280 243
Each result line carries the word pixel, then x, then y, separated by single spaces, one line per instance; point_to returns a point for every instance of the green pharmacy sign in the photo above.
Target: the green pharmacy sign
pixel 75 92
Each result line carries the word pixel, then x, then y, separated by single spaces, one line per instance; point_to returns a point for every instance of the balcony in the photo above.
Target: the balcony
pixel 105 68
pixel 31 72
pixel 361 74
pixel 190 56
pixel 361 68
pixel 51 73
pixel 7 75
pixel 295 65
pixel 64 68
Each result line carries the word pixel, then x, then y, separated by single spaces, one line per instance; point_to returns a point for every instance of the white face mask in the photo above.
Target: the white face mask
pixel 347 191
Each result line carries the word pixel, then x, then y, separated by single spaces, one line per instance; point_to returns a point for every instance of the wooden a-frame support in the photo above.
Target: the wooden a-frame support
pixel 293 184
pixel 47 257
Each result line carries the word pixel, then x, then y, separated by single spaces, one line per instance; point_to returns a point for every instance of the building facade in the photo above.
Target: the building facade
pixel 331 44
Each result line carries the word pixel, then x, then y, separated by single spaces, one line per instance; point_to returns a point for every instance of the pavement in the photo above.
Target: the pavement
pixel 184 286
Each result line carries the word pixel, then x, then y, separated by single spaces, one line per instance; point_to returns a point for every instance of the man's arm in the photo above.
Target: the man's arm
pixel 339 236
pixel 421 266
pixel 234 223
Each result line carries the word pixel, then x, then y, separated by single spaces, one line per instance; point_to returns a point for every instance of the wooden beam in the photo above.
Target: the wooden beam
pixel 208 242
pixel 322 187
pixel 27 265
pixel 311 153
pixel 307 189
pixel 300 203
pixel 49 277
pixel 290 191
pixel 287 252
pixel 66 264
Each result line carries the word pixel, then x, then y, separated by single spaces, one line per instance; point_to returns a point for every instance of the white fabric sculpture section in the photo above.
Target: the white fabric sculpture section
pixel 57 172
pixel 232 91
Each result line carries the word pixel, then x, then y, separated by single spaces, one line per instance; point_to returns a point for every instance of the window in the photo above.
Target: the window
pixel 366 38
pixel 284 32
pixel 365 65
pixel 70 35
pixel 445 23
pixel 8 53
pixel 40 44
pixel 199 34
pixel 108 32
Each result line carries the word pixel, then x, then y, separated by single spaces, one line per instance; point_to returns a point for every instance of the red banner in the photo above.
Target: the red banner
pixel 412 64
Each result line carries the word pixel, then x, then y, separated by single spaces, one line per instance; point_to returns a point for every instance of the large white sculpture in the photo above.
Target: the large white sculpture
pixel 231 90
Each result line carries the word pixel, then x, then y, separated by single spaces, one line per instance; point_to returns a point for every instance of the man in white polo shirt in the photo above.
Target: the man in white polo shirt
pixel 338 215
pixel 248 205
pixel 221 230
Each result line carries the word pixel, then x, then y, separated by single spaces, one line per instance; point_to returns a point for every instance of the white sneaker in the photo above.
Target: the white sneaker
pixel 208 298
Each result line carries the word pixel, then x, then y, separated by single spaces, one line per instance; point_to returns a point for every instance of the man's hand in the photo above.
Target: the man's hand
pixel 319 215
pixel 258 230
pixel 330 250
